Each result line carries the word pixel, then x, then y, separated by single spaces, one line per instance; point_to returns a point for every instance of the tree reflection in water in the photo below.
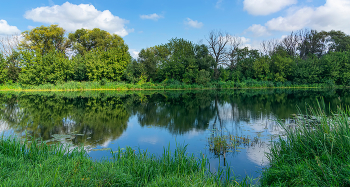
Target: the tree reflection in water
pixel 103 116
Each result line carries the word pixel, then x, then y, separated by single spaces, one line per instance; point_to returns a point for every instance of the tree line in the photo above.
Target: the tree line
pixel 48 54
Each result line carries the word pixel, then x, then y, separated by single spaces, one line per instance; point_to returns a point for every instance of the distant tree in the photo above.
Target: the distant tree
pixel 109 64
pixel 45 39
pixel 133 71
pixel 151 58
pixel 244 62
pixel 8 44
pixel 13 65
pixel 338 41
pixel 231 52
pixel 3 69
pixel 203 59
pixel 269 47
pixel 52 67
pixel 307 71
pixel 217 42
pixel 84 40
pixel 313 43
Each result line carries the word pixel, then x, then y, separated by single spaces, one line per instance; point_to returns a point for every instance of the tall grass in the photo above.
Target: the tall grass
pixel 38 164
pixel 172 85
pixel 313 153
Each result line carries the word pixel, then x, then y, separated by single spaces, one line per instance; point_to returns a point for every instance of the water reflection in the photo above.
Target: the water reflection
pixel 153 119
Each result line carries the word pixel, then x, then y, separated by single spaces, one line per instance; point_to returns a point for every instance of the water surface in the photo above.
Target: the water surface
pixel 154 120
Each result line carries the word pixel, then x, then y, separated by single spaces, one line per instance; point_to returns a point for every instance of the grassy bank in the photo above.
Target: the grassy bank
pixel 170 85
pixel 315 152
pixel 38 164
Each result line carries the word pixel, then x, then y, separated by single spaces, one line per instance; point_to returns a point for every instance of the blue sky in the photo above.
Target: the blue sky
pixel 152 22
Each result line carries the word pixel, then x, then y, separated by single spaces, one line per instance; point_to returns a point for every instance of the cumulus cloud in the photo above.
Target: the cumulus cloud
pixel 6 29
pixel 258 30
pixel 134 53
pixel 333 15
pixel 193 23
pixel 72 17
pixel 266 7
pixel 153 17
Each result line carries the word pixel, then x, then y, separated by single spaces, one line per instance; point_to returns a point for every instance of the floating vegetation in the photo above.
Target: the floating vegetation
pixel 222 142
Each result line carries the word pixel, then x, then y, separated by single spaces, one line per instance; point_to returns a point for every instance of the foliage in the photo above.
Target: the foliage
pixel 203 77
pixel 307 58
pixel 52 67
pixel 85 40
pixel 45 39
pixel 313 153
pixel 39 164
pixel 3 70
pixel 108 64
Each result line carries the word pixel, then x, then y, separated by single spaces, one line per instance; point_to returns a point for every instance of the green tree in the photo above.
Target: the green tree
pixel 3 69
pixel 133 71
pixel 109 64
pixel 45 39
pixel 338 41
pixel 261 68
pixel 313 43
pixel 281 65
pixel 52 67
pixel 151 58
pixel 245 59
pixel 307 71
pixel 336 67
pixel 84 40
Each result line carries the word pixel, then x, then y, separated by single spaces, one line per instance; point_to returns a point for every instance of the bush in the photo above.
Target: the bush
pixel 103 81
pixel 203 77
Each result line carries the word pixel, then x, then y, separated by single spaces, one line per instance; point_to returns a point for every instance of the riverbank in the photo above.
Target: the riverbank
pixel 314 151
pixel 176 85
pixel 39 164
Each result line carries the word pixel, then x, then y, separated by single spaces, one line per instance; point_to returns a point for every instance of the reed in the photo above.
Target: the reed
pixel 315 152
pixel 34 163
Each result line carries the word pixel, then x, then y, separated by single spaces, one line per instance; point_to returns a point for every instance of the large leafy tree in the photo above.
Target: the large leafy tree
pixel 84 40
pixel 45 39
pixel 338 41
pixel 109 64
pixel 52 67
pixel 151 58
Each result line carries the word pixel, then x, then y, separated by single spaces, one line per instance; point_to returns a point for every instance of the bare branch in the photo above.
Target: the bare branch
pixel 9 43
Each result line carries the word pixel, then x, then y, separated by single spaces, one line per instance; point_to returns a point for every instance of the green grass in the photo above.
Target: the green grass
pixel 38 164
pixel 314 153
pixel 175 85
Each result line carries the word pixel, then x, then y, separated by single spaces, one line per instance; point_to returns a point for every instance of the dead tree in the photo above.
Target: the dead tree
pixel 217 42
pixel 8 44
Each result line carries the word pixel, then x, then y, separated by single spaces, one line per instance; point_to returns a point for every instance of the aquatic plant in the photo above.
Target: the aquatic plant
pixel 35 163
pixel 312 154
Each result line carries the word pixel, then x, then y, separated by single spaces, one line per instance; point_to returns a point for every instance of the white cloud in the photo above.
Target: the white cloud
pixel 154 16
pixel 333 15
pixel 258 30
pixel 265 7
pixel 193 23
pixel 134 53
pixel 72 17
pixel 6 29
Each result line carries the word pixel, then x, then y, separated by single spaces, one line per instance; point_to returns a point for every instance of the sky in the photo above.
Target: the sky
pixel 148 23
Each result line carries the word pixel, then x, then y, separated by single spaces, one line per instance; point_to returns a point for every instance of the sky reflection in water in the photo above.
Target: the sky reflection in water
pixel 153 120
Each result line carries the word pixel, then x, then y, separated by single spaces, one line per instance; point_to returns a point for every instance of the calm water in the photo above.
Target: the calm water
pixel 153 120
